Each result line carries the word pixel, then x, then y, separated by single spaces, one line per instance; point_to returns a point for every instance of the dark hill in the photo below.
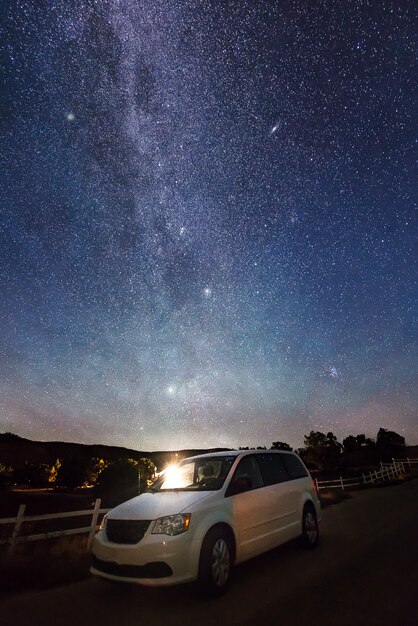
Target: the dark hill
pixel 16 451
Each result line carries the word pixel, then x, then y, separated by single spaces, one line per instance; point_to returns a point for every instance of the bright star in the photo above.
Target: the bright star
pixel 70 117
pixel 333 372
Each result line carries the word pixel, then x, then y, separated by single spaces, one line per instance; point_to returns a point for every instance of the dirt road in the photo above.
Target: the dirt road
pixel 364 573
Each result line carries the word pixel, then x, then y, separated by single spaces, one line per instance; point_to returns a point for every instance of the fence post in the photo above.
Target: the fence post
pixel 409 463
pixel 363 478
pixel 317 485
pixel 94 519
pixel 16 529
pixel 342 483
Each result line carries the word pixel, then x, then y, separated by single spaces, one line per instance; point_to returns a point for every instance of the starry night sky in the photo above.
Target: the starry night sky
pixel 207 220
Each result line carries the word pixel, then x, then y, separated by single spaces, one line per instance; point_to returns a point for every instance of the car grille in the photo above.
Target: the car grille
pixel 126 531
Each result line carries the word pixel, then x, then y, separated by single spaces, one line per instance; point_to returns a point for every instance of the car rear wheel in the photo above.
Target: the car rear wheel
pixel 215 562
pixel 310 531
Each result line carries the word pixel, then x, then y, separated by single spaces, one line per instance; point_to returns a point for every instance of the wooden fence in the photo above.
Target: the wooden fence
pixel 387 471
pixel 407 461
pixel 21 518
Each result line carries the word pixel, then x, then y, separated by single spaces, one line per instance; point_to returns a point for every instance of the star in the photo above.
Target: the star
pixel 275 128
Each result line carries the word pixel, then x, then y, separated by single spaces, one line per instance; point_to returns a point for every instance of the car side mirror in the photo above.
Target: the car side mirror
pixel 239 485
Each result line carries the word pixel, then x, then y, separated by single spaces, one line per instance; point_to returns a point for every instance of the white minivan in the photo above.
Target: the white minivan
pixel 206 514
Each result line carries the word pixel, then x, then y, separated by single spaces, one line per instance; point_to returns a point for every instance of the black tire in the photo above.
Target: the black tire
pixel 215 562
pixel 310 531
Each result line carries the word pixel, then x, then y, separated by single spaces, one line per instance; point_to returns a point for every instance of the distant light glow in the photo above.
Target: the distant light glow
pixel 174 478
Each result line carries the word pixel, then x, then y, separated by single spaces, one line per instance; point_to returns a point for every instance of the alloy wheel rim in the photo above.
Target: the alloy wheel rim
pixel 220 562
pixel 310 527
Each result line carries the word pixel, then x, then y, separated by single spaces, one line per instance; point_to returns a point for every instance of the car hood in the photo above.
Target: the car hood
pixel 150 506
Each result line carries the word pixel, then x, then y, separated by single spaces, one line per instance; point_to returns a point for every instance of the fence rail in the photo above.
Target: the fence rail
pixel 386 472
pixel 20 519
pixel 406 461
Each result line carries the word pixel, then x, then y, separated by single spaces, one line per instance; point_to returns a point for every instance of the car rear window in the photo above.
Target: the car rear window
pixel 272 468
pixel 294 466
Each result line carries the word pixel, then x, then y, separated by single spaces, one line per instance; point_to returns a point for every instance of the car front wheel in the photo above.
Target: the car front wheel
pixel 215 562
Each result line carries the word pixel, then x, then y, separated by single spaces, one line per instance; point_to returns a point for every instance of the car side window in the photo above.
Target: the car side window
pixel 294 466
pixel 248 468
pixel 272 469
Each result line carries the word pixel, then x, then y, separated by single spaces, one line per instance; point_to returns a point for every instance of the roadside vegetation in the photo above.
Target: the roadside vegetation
pixel 44 564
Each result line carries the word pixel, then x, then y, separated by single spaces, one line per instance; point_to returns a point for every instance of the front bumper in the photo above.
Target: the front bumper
pixel 156 560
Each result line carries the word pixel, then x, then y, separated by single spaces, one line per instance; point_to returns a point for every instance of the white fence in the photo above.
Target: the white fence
pixel 387 471
pixel 21 518
pixel 407 461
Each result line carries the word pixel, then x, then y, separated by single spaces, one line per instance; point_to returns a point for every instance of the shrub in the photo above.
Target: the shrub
pixel 6 477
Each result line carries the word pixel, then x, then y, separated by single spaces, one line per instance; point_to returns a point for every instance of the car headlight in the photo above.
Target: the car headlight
pixel 172 524
pixel 103 522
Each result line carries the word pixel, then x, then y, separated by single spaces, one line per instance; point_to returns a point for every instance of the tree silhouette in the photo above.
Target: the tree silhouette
pixel 147 471
pixel 73 472
pixel 323 450
pixel 352 442
pixel 120 480
pixel 389 444
pixel 280 445
pixel 34 474
pixel 95 468
pixel 6 477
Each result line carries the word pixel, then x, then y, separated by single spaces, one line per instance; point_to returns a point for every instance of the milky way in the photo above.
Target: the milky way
pixel 207 221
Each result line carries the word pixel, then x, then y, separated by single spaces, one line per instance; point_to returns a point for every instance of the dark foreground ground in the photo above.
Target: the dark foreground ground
pixel 364 573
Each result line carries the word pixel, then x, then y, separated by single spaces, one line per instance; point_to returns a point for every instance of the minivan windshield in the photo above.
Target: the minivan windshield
pixel 198 474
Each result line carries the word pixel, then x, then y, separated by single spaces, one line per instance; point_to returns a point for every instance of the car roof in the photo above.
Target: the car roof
pixel 235 453
pixel 214 454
